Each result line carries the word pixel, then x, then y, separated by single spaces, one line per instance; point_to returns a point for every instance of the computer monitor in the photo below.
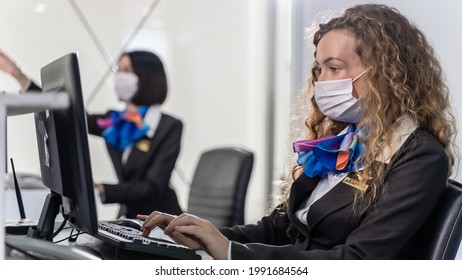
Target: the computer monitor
pixel 62 141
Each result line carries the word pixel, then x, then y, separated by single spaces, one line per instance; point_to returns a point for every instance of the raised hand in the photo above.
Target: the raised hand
pixel 8 66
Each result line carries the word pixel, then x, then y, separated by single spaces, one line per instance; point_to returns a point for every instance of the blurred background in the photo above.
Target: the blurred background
pixel 234 70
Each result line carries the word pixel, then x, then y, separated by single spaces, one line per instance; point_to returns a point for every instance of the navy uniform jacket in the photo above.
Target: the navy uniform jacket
pixel 416 176
pixel 144 181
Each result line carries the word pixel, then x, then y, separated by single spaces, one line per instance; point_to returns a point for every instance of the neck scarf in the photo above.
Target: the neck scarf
pixel 123 128
pixel 338 154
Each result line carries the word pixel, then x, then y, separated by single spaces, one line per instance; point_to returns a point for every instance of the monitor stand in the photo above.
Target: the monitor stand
pixel 46 223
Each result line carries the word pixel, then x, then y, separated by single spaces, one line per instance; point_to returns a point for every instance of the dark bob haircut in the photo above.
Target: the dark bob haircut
pixel 152 83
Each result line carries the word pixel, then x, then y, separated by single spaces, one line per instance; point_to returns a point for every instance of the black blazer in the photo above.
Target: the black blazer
pixel 416 176
pixel 144 180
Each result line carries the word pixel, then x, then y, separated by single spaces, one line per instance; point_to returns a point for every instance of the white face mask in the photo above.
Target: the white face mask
pixel 126 85
pixel 335 99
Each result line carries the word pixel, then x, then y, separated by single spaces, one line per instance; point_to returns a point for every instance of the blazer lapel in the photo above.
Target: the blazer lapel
pixel 144 147
pixel 141 149
pixel 338 197
pixel 301 189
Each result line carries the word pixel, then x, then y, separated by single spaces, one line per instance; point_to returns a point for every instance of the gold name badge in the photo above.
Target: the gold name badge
pixel 355 183
pixel 143 145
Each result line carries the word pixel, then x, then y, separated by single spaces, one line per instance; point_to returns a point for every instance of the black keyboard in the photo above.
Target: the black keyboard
pixel 130 239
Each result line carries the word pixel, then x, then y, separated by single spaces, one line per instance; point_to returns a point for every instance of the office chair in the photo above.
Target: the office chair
pixel 440 236
pixel 219 185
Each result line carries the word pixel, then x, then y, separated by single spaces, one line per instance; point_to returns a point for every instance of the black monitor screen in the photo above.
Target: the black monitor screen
pixel 63 151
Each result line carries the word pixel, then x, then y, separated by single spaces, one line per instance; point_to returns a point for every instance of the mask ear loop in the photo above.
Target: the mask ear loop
pixel 360 75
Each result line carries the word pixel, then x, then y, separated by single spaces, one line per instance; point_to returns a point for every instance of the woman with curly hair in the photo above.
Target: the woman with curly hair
pixel 377 154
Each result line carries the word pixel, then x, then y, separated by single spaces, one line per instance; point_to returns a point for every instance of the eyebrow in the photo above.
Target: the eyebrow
pixel 329 59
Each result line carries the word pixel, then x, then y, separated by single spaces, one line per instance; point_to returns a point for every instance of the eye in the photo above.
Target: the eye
pixel 333 69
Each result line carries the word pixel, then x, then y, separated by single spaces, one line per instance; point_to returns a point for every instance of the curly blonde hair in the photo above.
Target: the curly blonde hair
pixel 405 77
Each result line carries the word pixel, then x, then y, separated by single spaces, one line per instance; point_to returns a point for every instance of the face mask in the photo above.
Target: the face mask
pixel 335 99
pixel 126 85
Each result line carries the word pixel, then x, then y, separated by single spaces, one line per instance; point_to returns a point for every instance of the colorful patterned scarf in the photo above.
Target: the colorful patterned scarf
pixel 331 153
pixel 123 128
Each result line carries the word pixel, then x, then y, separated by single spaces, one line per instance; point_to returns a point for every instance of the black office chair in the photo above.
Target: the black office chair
pixel 219 185
pixel 440 236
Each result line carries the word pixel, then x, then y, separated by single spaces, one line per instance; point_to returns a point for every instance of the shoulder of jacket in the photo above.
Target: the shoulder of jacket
pixel 170 118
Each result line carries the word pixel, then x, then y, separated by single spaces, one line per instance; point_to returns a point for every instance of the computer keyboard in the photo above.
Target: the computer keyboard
pixel 130 239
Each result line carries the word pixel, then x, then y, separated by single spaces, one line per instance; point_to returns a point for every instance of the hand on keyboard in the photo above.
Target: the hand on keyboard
pixel 158 233
pixel 189 230
pixel 131 239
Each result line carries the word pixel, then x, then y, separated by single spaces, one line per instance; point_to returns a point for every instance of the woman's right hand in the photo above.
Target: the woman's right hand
pixel 156 218
pixel 162 220
pixel 188 230
pixel 8 66
pixel 194 230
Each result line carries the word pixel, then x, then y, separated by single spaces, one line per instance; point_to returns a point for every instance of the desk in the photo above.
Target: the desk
pixel 84 247
pixel 19 247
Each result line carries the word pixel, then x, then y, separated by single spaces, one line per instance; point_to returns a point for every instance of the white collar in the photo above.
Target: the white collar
pixel 406 127
pixel 152 119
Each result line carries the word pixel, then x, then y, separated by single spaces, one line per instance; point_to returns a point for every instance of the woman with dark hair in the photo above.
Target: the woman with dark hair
pixel 143 142
pixel 377 152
